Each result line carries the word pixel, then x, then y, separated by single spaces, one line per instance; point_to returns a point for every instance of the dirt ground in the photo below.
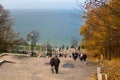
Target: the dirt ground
pixel 27 68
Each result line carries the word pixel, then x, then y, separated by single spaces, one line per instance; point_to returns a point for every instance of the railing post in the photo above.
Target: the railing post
pixel 105 76
pixel 99 74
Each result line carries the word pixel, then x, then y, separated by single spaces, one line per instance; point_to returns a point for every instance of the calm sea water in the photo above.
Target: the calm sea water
pixel 57 26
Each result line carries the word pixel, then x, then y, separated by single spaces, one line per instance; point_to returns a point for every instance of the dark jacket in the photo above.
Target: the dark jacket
pixel 57 61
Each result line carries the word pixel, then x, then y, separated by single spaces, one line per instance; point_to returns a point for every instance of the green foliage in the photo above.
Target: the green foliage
pixel 34 55
pixel 49 54
pixel 49 48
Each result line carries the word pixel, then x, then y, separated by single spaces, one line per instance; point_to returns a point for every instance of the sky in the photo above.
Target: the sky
pixel 39 4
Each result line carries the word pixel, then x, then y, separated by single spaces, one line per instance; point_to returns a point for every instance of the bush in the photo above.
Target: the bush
pixel 34 54
pixel 3 50
pixel 112 70
pixel 49 54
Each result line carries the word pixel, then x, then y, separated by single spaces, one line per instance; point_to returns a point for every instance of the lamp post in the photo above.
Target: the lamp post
pixel 31 35
pixel 47 47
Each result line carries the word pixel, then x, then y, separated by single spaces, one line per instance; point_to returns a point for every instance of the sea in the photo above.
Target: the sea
pixel 58 27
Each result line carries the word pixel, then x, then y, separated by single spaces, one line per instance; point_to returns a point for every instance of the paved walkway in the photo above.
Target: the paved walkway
pixel 38 69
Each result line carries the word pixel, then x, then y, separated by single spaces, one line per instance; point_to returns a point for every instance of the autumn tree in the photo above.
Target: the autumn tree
pixel 102 27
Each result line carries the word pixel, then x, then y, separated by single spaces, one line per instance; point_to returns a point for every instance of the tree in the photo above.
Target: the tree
pixel 33 36
pixel 7 34
pixel 63 47
pixel 67 47
pixel 74 43
pixel 49 49
pixel 20 41
pixel 102 27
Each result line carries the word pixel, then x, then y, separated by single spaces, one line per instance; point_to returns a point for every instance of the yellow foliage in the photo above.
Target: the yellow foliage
pixel 112 69
pixel 102 26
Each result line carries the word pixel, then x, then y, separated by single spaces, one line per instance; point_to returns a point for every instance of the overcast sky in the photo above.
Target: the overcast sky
pixel 39 4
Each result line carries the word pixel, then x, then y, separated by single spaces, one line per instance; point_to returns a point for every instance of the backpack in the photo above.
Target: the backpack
pixel 52 61
pixel 57 61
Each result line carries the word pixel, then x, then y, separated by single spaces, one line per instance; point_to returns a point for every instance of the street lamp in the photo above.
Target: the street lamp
pixel 31 35
pixel 47 47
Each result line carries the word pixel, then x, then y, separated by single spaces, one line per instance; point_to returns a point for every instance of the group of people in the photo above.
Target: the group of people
pixel 81 56
pixel 62 55
pixel 55 61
